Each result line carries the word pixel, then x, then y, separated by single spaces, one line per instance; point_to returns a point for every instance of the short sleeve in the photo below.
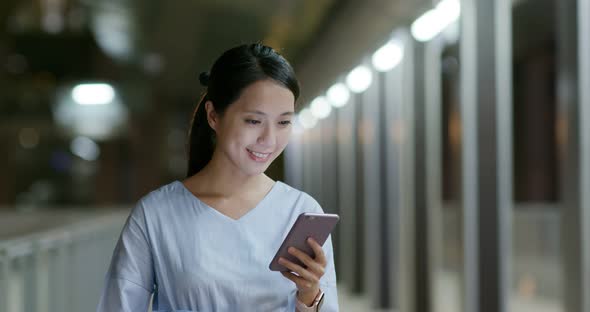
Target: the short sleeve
pixel 129 281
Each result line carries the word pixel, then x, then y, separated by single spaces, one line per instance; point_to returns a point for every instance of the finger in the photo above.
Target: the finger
pixel 317 249
pixel 303 273
pixel 311 264
pixel 299 281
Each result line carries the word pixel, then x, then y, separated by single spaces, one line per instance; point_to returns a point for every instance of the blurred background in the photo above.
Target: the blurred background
pixel 453 138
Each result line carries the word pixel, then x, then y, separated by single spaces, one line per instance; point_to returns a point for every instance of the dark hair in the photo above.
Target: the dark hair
pixel 232 72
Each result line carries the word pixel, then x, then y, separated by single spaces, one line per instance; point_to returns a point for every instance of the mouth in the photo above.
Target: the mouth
pixel 259 157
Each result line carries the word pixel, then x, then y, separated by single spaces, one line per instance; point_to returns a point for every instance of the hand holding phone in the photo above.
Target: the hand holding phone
pixel 315 225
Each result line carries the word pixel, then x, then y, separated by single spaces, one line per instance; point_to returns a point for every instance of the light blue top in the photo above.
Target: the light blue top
pixel 194 258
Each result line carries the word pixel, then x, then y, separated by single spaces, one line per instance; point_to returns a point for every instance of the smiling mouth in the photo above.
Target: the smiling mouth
pixel 259 156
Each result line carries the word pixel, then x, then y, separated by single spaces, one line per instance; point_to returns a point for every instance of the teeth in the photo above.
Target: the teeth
pixel 259 155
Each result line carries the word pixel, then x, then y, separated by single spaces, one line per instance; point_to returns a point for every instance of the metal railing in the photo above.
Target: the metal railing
pixel 58 269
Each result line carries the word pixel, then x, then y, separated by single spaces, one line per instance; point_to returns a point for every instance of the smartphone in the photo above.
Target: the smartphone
pixel 308 224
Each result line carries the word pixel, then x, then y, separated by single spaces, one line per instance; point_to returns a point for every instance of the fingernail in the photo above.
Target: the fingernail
pixel 291 250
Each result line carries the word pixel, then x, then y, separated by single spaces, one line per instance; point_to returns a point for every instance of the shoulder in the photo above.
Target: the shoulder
pixel 159 206
pixel 160 198
pixel 300 198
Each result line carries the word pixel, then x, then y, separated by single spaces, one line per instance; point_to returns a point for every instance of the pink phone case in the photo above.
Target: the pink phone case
pixel 317 225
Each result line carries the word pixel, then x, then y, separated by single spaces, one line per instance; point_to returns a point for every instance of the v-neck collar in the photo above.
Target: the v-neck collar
pixel 219 213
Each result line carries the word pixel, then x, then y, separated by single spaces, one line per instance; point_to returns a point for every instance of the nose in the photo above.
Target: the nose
pixel 267 136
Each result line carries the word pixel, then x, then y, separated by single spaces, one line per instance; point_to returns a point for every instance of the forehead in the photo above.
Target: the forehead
pixel 266 96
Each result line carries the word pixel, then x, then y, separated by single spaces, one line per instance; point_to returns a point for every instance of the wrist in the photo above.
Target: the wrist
pixel 308 297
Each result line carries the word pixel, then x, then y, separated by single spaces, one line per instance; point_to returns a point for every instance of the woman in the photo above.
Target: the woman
pixel 205 243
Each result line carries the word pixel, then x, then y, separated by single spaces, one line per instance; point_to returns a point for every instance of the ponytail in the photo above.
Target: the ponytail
pixel 200 136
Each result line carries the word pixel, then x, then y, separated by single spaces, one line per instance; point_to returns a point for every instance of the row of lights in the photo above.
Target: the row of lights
pixel 424 28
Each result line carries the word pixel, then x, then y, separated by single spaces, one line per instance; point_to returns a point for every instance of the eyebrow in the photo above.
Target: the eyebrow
pixel 257 112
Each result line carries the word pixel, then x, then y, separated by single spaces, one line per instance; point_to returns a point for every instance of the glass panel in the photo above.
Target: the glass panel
pixel 536 268
pixel 449 285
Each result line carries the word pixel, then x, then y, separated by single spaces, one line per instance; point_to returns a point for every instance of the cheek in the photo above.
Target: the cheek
pixel 243 136
pixel 283 139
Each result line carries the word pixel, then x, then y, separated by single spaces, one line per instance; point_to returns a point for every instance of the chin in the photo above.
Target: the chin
pixel 255 170
pixel 250 172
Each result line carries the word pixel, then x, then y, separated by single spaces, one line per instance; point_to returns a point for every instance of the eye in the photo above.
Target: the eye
pixel 285 122
pixel 252 121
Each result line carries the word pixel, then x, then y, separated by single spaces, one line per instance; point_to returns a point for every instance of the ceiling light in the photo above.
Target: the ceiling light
pixel 388 56
pixel 338 95
pixel 307 119
pixel 359 79
pixel 93 94
pixel 320 107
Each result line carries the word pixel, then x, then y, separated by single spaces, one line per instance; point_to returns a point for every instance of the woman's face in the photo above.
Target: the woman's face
pixel 255 129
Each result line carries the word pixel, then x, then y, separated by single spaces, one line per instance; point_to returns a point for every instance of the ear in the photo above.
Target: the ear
pixel 212 117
